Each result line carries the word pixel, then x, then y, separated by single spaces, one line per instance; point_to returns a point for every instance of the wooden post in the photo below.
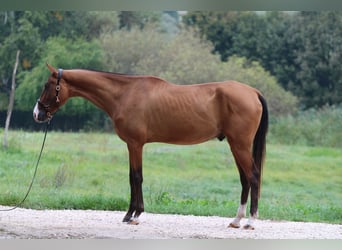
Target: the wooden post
pixel 11 100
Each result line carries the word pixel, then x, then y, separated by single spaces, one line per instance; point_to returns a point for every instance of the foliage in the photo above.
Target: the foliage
pixel 17 33
pixel 318 56
pixel 302 49
pixel 311 127
pixel 101 21
pixel 134 19
pixel 217 27
pixel 3 101
pixel 30 31
pixel 125 49
pixel 185 59
pixel 90 171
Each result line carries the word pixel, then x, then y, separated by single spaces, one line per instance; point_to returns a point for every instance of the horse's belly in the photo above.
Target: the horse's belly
pixel 184 133
pixel 184 118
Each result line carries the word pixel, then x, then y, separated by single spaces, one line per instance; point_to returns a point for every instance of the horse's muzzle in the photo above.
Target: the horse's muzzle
pixel 40 115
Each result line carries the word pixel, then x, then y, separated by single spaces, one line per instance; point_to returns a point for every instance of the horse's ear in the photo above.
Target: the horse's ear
pixel 52 69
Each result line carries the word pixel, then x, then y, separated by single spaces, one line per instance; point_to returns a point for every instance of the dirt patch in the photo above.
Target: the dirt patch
pixel 79 224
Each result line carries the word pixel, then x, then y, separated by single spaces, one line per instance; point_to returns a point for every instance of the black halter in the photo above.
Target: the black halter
pixel 46 107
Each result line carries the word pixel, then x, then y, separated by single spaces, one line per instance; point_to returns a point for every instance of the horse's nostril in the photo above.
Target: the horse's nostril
pixel 41 116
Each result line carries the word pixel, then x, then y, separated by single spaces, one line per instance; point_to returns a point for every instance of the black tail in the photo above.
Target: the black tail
pixel 259 143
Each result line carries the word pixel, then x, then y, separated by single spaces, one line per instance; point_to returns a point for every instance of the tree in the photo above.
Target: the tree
pixel 20 35
pixel 184 59
pixel 302 49
pixel 134 19
pixel 255 36
pixel 318 80
pixel 125 49
pixel 217 27
pixel 28 31
pixel 11 100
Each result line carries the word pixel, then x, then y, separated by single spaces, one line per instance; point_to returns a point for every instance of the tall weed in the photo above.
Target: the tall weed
pixel 313 127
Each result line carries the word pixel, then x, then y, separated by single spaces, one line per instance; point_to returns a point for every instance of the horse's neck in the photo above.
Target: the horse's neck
pixel 102 89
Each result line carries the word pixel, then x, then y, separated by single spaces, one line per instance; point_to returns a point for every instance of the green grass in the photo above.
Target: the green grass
pixel 90 171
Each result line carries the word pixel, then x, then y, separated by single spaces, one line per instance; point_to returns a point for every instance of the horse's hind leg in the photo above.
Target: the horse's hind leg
pixel 244 162
pixel 241 213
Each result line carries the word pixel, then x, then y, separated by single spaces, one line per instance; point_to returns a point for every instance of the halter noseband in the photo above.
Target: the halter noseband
pixel 58 88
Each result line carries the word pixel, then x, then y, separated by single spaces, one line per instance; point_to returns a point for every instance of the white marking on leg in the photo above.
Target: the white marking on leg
pixel 240 214
pixel 251 220
pixel 242 211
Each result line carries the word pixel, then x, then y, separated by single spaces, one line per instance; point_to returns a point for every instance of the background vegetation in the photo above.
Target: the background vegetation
pixel 292 57
pixel 301 49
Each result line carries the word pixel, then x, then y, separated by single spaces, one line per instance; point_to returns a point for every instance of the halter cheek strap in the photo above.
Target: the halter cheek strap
pixel 58 86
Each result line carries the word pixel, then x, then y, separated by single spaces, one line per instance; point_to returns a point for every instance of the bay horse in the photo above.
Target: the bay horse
pixel 147 109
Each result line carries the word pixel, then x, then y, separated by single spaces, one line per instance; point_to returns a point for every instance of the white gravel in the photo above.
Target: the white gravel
pixel 79 224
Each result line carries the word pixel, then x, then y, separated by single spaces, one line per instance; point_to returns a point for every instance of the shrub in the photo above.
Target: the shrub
pixel 312 127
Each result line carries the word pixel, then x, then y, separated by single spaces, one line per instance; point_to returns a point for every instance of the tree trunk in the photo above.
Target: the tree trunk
pixel 11 100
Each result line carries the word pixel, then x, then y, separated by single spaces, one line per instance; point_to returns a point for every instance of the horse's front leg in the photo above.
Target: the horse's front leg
pixel 135 178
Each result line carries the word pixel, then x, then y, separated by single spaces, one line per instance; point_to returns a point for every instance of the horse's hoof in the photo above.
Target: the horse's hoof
pixel 127 219
pixel 248 227
pixel 233 225
pixel 133 222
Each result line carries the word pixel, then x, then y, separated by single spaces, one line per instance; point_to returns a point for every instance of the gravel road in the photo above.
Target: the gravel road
pixel 80 224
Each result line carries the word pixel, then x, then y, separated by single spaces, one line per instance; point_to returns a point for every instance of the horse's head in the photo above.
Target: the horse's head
pixel 51 98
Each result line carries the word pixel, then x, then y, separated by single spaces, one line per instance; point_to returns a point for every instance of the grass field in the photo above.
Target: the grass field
pixel 90 171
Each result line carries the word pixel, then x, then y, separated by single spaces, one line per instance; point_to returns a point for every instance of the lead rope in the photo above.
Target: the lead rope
pixel 34 174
